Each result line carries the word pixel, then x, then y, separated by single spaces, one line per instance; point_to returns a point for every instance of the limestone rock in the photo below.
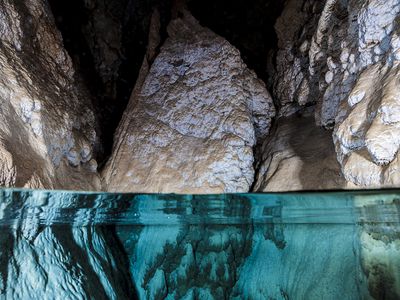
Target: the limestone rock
pixel 292 84
pixel 193 123
pixel 47 128
pixel 367 131
pixel 298 156
pixel 351 74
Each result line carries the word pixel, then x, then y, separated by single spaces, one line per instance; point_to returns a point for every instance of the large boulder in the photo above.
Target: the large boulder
pixel 192 124
pixel 47 140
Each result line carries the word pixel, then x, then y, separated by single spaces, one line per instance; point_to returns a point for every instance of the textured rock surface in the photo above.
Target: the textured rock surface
pixel 298 156
pixel 192 126
pixel 47 140
pixel 347 63
pixel 291 82
pixel 47 133
pixel 186 262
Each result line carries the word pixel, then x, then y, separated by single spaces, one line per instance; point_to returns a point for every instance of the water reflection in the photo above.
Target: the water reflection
pixel 241 246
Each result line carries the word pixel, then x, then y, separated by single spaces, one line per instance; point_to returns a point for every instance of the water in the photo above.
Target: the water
pixel 68 245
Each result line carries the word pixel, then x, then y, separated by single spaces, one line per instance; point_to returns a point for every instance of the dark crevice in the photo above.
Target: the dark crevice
pixel 107 41
pixel 248 25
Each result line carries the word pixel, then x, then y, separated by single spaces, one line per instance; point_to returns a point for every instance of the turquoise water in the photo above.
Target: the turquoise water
pixel 331 245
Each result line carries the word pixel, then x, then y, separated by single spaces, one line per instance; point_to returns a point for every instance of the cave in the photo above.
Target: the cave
pixel 199 149
pixel 110 64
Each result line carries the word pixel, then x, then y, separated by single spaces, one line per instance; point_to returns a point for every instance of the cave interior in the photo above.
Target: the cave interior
pixel 107 40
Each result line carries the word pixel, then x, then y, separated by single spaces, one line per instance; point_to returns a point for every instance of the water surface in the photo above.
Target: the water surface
pixel 331 245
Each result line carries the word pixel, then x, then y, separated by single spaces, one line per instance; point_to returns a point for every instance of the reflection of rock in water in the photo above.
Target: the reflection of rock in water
pixel 245 262
pixel 194 261
pixel 53 262
pixel 263 261
pixel 380 250
pixel 189 261
pixel 62 263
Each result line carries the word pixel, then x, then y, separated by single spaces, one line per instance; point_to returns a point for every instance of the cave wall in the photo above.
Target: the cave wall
pixel 48 135
pixel 195 122
pixel 342 57
pixel 48 140
pixel 336 58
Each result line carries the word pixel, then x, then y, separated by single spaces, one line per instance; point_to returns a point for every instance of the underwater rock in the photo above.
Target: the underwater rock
pixel 192 125
pixel 47 125
pixel 44 260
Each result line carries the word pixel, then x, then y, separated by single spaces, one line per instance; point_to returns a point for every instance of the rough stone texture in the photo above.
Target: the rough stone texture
pixel 379 247
pixel 317 245
pixel 291 82
pixel 350 67
pixel 298 156
pixel 47 139
pixel 192 126
pixel 187 261
pixel 47 133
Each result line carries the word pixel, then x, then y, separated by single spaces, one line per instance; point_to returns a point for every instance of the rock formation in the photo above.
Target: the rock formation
pixel 343 56
pixel 47 125
pixel 198 121
pixel 192 124
pixel 48 140
pixel 289 163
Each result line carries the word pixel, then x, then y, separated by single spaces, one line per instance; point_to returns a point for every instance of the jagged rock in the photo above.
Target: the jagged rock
pixel 192 126
pixel 350 66
pixel 345 242
pixel 187 261
pixel 47 127
pixel 292 84
pixel 367 131
pixel 59 262
pixel 289 163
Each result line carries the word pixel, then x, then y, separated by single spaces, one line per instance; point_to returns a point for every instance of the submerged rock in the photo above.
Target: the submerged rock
pixel 192 124
pixel 47 125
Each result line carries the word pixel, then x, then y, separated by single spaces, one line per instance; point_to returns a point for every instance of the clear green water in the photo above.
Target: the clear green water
pixel 333 245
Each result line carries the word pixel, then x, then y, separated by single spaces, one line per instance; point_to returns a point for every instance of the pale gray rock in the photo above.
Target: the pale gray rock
pixel 47 127
pixel 367 134
pixel 192 124
pixel 298 155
